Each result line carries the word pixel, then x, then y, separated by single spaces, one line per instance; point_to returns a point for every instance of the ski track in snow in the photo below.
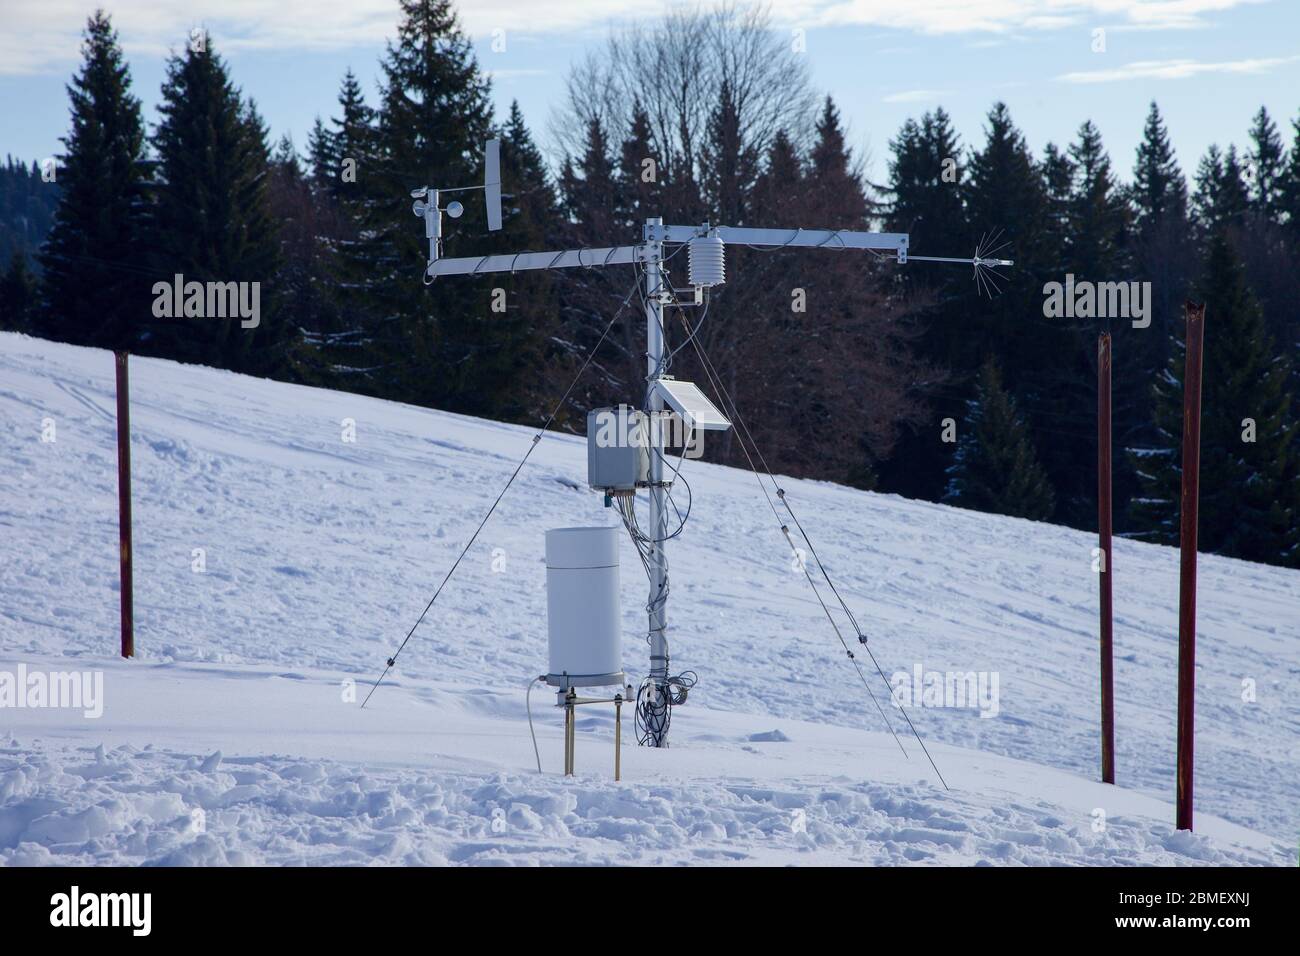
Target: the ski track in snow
pixel 320 554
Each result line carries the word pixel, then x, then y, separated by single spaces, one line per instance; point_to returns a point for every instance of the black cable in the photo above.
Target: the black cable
pixel 536 439
pixel 862 637
pixel 690 499
pixel 654 705
pixel 704 314
pixel 715 380
pixel 729 406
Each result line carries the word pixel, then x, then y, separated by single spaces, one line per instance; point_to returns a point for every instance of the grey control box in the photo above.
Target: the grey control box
pixel 618 449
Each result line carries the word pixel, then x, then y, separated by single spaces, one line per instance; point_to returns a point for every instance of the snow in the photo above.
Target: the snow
pixel 236 737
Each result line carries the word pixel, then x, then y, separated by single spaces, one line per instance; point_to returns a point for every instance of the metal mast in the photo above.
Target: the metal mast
pixel 657 290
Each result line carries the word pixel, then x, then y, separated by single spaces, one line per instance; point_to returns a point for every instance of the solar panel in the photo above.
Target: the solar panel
pixel 693 405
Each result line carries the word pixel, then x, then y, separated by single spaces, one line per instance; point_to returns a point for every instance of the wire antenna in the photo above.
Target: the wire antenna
pixel 984 263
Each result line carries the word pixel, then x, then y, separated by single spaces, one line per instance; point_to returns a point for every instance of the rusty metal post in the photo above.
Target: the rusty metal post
pixel 124 503
pixel 1187 566
pixel 1105 563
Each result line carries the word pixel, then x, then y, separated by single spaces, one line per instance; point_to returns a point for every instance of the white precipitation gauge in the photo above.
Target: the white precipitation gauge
pixel 706 256
pixel 582 612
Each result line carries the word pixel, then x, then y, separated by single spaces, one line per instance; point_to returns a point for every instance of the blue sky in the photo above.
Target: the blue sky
pixel 1209 63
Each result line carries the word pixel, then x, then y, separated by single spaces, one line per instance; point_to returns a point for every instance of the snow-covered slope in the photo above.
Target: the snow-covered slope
pixel 233 736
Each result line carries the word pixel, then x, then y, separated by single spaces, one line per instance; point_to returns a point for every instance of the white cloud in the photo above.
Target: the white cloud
pixel 44 35
pixel 1001 16
pixel 915 96
pixel 39 36
pixel 1174 69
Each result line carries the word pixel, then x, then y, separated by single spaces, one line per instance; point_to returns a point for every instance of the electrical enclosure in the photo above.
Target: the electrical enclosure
pixel 618 449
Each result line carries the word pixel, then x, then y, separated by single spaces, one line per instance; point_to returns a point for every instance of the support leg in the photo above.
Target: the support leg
pixel 618 734
pixel 569 721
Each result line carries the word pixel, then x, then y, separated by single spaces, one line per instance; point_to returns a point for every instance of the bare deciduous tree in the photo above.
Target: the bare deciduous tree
pixel 675 70
pixel 722 104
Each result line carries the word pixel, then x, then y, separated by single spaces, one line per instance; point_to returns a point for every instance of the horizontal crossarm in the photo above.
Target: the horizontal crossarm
pixel 778 238
pixel 525 261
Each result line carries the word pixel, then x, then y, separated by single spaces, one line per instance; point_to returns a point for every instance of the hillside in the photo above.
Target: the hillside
pixel 320 553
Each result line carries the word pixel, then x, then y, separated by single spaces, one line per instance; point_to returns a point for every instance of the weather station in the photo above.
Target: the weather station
pixel 582 563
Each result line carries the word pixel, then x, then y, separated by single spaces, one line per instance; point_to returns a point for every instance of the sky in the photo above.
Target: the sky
pixel 1210 64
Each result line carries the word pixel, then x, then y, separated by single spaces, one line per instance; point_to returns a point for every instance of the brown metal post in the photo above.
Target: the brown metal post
pixel 1187 568
pixel 1105 563
pixel 124 502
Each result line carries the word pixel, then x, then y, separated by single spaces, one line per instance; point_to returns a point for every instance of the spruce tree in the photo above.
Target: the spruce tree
pixel 1059 172
pixel 1159 191
pixel 925 199
pixel 925 181
pixel 343 154
pixel 303 280
pixel 530 209
pixel 1098 214
pixel 1288 321
pixel 342 347
pixel 1163 250
pixel 1005 193
pixel 597 200
pixel 1263 246
pixel 728 164
pixel 841 369
pixel 1267 168
pixel 530 215
pixel 589 188
pixel 285 159
pixel 17 296
pixel 640 191
pixel 428 346
pixel 1044 361
pixel 1250 489
pixel 834 170
pixel 211 221
pixel 27 206
pixel 320 154
pixel 995 468
pixel 1290 192
pixel 1221 199
pixel 1096 249
pixel 1164 254
pixel 777 190
pixel 94 289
